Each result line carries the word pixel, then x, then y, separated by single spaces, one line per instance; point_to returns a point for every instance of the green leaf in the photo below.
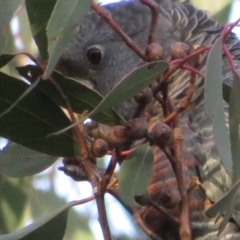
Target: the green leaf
pixel 80 96
pixel 12 205
pixel 39 13
pixel 131 84
pixel 7 10
pixel 34 118
pixel 77 223
pixel 63 25
pixel 226 92
pixel 134 174
pixel 22 96
pixel 214 103
pixel 224 206
pixel 5 59
pixel 18 161
pixel 128 87
pixel 52 226
pixel 234 122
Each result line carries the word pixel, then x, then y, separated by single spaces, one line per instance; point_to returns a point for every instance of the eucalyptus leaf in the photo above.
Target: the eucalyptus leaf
pixel 39 13
pixel 214 103
pixel 12 205
pixel 234 122
pixel 128 87
pixel 135 173
pixel 49 227
pixel 22 96
pixel 7 10
pixel 80 97
pixel 224 206
pixel 32 119
pixel 226 92
pixel 19 161
pixel 131 84
pixel 64 24
pixel 5 59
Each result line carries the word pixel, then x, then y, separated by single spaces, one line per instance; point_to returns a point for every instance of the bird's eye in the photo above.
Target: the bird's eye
pixel 95 54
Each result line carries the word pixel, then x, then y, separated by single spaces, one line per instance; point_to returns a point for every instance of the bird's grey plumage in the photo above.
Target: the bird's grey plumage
pixel 177 22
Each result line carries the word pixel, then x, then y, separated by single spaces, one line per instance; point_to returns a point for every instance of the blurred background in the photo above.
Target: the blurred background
pixel 24 200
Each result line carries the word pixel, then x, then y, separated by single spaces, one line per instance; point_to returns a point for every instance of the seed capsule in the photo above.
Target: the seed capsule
pixel 117 135
pixel 145 96
pixel 179 50
pixel 153 52
pixel 99 147
pixel 161 134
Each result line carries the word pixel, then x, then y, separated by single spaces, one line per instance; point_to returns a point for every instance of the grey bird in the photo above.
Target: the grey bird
pixel 99 55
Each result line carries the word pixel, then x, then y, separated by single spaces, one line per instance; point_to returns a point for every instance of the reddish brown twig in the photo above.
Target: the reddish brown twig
pixel 82 201
pixel 85 160
pixel 228 29
pixel 80 135
pixel 185 229
pixel 191 69
pixel 176 65
pixel 154 18
pixel 185 102
pixel 129 42
pixel 229 56
pixel 127 152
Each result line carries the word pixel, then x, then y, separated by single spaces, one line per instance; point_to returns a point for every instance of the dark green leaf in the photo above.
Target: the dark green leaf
pixel 39 13
pixel 214 103
pixel 18 161
pixel 134 174
pixel 80 96
pixel 34 118
pixel 22 96
pixel 224 206
pixel 77 222
pixel 62 26
pixel 234 122
pixel 12 204
pixel 7 10
pixel 5 58
pixel 52 226
pixel 128 87
pixel 226 92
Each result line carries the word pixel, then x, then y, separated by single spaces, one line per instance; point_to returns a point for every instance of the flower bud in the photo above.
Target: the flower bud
pixel 161 134
pixel 145 96
pixel 99 147
pixel 153 52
